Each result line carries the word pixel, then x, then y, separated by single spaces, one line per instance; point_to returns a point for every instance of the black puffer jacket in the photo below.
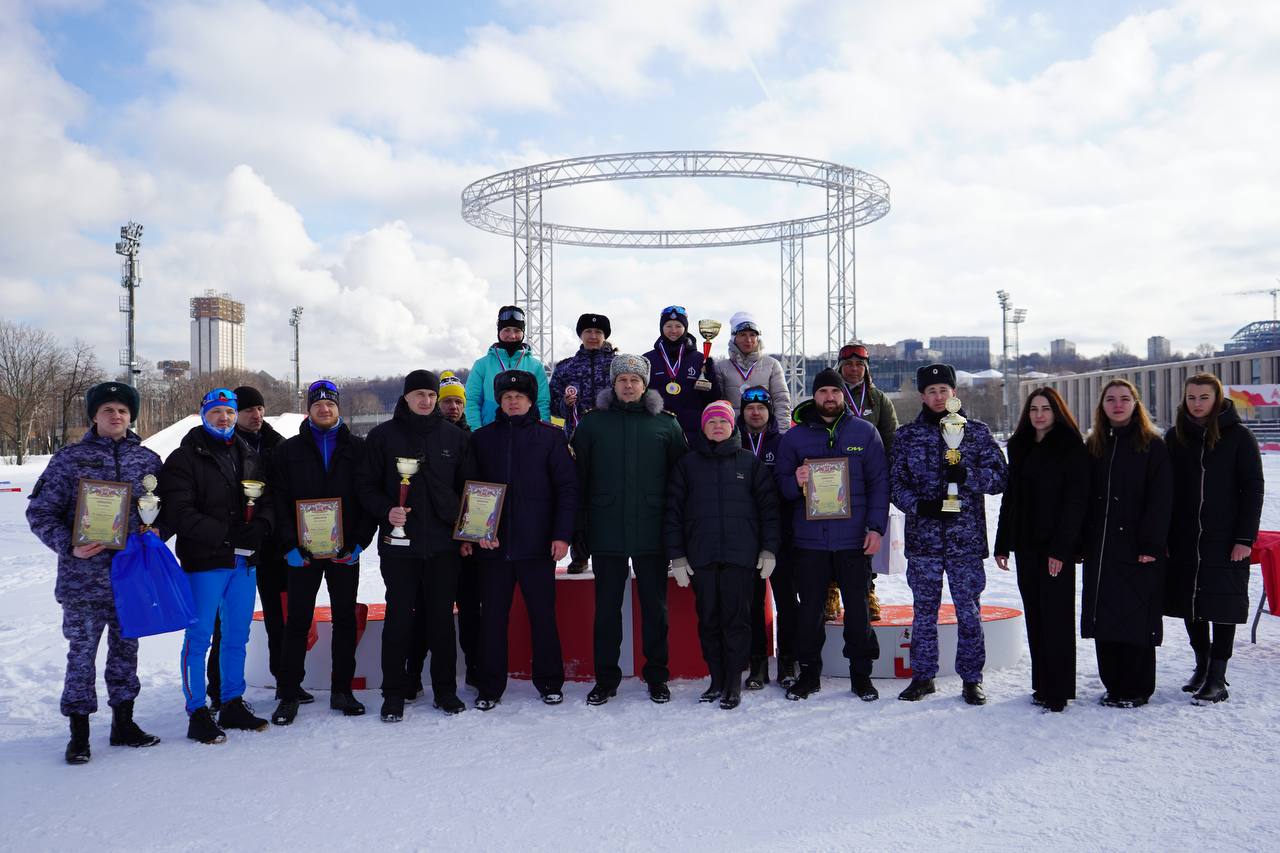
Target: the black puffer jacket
pixel 1217 501
pixel 1046 496
pixel 298 473
pixel 441 449
pixel 1129 501
pixel 722 506
pixel 202 499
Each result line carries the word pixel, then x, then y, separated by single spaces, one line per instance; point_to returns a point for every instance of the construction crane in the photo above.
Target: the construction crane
pixel 1274 292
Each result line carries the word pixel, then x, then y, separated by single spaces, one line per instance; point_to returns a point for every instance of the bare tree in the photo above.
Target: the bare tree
pixel 78 371
pixel 28 369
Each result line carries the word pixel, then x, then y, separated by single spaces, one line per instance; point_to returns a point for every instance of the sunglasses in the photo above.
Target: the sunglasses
pixel 512 314
pixel 755 395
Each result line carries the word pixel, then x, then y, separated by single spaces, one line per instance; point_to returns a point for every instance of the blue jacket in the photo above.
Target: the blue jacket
pixel 916 474
pixel 849 436
pixel 482 408
pixel 52 507
pixel 588 371
pixel 532 459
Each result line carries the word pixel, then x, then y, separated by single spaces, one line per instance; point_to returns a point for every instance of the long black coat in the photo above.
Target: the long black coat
pixel 722 506
pixel 1048 517
pixel 441 449
pixel 532 458
pixel 298 473
pixel 1217 501
pixel 201 498
pixel 1129 502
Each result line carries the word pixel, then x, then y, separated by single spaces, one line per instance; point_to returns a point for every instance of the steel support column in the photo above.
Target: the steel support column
pixel 531 270
pixel 791 252
pixel 841 294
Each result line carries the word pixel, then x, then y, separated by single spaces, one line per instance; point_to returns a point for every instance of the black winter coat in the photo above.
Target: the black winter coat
pixel 441 449
pixel 201 498
pixel 532 458
pixel 1129 501
pixel 298 474
pixel 1217 502
pixel 1045 497
pixel 722 506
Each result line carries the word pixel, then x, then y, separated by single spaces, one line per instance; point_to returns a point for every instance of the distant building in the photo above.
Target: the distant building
pixel 174 369
pixel 217 333
pixel 1262 335
pixel 906 349
pixel 1062 349
pixel 964 352
pixel 1158 349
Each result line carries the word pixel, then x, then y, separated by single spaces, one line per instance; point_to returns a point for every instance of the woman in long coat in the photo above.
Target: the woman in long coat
pixel 1125 539
pixel 1217 500
pixel 1041 516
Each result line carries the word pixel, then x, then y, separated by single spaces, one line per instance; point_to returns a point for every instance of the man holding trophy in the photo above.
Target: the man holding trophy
pixel 322 529
pixel 942 465
pixel 410 481
pixel 210 489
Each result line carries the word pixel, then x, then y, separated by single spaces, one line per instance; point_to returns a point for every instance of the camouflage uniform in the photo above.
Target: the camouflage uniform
pixel 83 587
pixel 954 546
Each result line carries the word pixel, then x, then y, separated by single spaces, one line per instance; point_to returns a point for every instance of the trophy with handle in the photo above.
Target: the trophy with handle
pixel 952 425
pixel 253 490
pixel 708 329
pixel 406 467
pixel 149 503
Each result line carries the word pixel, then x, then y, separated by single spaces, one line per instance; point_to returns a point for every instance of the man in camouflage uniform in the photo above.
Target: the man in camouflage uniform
pixel 108 451
pixel 938 542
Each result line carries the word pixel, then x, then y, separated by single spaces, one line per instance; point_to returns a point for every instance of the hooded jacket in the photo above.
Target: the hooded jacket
pixel 482 408
pixel 760 369
pixel 1217 503
pixel 624 452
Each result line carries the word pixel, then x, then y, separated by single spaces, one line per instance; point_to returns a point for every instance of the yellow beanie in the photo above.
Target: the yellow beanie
pixel 451 386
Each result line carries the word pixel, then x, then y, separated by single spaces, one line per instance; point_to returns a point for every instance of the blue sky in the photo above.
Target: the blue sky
pixel 1110 164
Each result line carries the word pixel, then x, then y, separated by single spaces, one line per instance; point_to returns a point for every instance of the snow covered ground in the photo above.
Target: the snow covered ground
pixel 831 773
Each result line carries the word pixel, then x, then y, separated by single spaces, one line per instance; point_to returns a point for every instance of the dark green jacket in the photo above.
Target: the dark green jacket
pixel 623 452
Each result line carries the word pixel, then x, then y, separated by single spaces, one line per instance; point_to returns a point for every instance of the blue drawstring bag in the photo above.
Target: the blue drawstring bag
pixel 152 593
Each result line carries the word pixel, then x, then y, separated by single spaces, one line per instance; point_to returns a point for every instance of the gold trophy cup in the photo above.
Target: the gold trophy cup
pixel 253 490
pixel 952 425
pixel 708 329
pixel 406 467
pixel 149 503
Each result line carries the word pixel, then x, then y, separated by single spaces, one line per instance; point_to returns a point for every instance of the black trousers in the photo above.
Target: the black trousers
pixel 303 584
pixel 1127 671
pixel 851 570
pixel 436 580
pixel 1224 638
pixel 469 626
pixel 537 579
pixel 723 596
pixel 272 578
pixel 1049 607
pixel 611 584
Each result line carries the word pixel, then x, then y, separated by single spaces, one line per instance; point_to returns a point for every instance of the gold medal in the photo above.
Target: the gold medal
pixel 673 388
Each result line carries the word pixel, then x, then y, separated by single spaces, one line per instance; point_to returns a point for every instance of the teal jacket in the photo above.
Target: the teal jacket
pixel 482 406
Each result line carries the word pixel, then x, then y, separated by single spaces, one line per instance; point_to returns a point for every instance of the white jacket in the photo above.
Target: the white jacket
pixel 764 370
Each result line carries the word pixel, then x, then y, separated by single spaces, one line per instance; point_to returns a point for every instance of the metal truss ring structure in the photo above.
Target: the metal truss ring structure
pixel 510 203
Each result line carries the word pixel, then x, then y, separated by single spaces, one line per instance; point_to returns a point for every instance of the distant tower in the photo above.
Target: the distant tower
pixel 130 279
pixel 1158 348
pixel 217 333
pixel 295 320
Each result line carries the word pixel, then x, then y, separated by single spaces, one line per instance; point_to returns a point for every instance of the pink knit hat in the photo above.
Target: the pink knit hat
pixel 718 409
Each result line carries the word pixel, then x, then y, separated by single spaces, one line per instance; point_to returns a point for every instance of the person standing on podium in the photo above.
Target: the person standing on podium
pixel 942 538
pixel 320 462
pixel 834 548
pixel 411 482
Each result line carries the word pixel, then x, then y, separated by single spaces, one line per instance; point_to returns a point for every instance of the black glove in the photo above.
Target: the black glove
pixel 930 509
pixel 248 535
pixel 956 474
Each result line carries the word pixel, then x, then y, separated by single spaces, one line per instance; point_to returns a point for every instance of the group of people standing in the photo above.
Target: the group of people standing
pixel 666 463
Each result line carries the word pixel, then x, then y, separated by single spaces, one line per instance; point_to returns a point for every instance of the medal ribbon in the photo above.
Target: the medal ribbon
pixel 514 364
pixel 756 443
pixel 745 374
pixel 672 371
pixel 857 408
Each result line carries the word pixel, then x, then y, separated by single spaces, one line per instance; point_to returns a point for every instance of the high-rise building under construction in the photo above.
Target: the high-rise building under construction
pixel 217 333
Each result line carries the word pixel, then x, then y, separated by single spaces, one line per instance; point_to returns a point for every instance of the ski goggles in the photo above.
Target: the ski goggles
pixel 756 394
pixel 516 314
pixel 322 389
pixel 849 351
pixel 675 309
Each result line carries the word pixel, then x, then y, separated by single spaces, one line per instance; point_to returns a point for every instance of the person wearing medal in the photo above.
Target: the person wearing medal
pixel 677 367
pixel 109 450
pixel 939 542
pixel 320 462
pixel 509 353
pixel 748 366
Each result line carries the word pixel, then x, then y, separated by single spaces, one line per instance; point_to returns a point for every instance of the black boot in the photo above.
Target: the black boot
pixel 863 688
pixel 78 746
pixel 732 693
pixel 758 677
pixel 285 712
pixel 809 682
pixel 659 692
pixel 238 714
pixel 1215 684
pixel 786 671
pixel 713 692
pixel 449 703
pixel 1198 674
pixel 392 709
pixel 974 694
pixel 124 731
pixel 601 694
pixel 577 567
pixel 348 704
pixel 301 696
pixel 917 690
pixel 201 727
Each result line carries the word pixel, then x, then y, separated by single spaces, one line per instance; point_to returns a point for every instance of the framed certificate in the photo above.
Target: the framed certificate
pixel 827 495
pixel 480 511
pixel 320 526
pixel 102 514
